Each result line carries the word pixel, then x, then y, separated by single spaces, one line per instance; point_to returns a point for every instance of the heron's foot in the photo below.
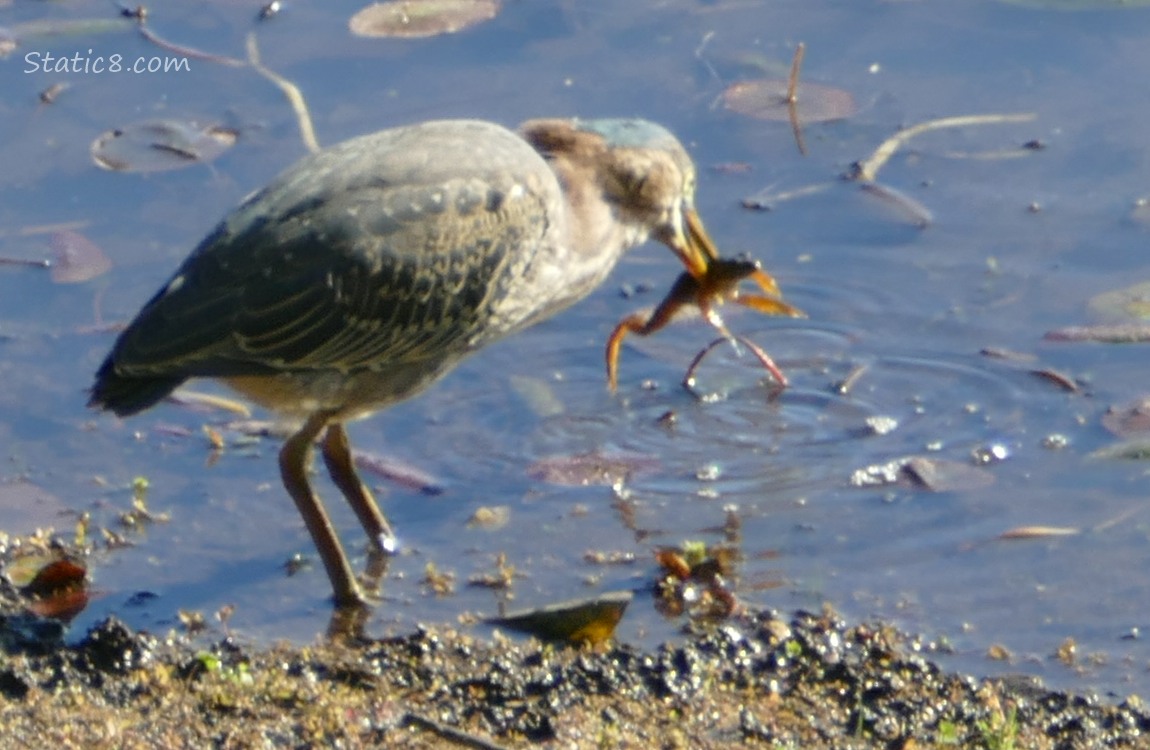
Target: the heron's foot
pixel 347 622
pixel 387 542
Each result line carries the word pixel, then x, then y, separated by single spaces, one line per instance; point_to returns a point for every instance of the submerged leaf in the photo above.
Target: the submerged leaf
pixel 592 468
pixel 927 472
pixel 539 395
pixel 1137 449
pixel 766 99
pixel 939 475
pixel 1129 419
pixel 76 259
pixel 1130 302
pixel 900 204
pixel 413 19
pixel 159 145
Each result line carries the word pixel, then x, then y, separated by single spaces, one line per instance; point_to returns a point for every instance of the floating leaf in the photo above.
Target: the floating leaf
pixel 56 585
pixel 21 570
pixel 76 259
pixel 1131 302
pixel 62 605
pixel 584 621
pixel 766 99
pixel 1129 419
pixel 159 145
pixel 57 574
pixel 589 468
pixel 412 19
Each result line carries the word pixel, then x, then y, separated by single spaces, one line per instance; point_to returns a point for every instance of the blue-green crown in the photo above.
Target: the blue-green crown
pixel 630 132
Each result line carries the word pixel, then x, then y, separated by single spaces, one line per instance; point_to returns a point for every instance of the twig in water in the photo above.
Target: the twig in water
pixel 291 91
pixel 867 170
pixel 793 97
pixel 191 52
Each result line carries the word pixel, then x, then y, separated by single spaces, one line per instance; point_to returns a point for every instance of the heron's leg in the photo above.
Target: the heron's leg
pixel 337 456
pixel 294 458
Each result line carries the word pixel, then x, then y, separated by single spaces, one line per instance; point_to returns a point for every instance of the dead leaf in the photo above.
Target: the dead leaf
pixel 413 19
pixel 583 621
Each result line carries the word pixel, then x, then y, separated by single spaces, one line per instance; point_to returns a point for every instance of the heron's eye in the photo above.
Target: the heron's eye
pixel 689 187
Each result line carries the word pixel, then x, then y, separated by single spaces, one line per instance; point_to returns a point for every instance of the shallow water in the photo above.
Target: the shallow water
pixel 914 307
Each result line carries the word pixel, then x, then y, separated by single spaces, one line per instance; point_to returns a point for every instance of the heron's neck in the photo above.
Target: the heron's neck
pixel 597 236
pixel 583 244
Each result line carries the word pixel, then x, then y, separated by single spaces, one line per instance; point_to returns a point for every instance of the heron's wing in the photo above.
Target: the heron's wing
pixel 367 275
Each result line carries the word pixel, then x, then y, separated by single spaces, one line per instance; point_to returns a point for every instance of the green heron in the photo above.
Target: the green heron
pixel 368 270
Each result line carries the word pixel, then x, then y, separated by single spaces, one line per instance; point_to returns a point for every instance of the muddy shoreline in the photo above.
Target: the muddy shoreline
pixel 761 679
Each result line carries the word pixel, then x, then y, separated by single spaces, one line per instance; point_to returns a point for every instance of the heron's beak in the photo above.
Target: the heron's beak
pixel 696 249
pixel 693 245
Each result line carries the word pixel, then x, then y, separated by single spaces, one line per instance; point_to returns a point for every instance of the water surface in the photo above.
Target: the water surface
pixel 1021 240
